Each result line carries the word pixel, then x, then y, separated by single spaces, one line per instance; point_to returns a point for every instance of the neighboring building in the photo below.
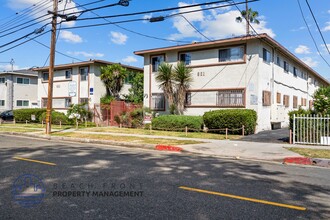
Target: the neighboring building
pixel 75 83
pixel 18 89
pixel 253 72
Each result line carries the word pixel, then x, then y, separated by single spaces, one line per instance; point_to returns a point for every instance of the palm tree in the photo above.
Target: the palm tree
pixel 250 17
pixel 183 79
pixel 113 77
pixel 165 80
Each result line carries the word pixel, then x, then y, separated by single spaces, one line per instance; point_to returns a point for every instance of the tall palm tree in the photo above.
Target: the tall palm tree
pixel 113 78
pixel 183 79
pixel 165 80
pixel 250 16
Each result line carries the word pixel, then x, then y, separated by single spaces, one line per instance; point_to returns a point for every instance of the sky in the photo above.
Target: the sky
pixel 281 19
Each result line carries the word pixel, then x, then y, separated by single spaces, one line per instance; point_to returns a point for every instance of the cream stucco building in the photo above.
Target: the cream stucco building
pixel 253 72
pixel 18 89
pixel 75 83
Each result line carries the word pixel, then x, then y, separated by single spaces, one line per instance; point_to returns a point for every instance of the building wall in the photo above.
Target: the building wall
pixel 20 92
pixel 254 75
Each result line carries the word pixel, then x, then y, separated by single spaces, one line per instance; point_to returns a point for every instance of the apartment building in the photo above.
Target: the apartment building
pixel 253 72
pixel 76 83
pixel 18 89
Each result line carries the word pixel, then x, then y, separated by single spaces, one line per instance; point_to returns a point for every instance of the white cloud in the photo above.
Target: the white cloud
pixel 129 59
pixel 302 49
pixel 327 26
pixel 42 8
pixel 147 17
pixel 70 37
pixel 118 38
pixel 310 62
pixel 328 11
pixel 7 67
pixel 85 54
pixel 217 24
pixel 299 29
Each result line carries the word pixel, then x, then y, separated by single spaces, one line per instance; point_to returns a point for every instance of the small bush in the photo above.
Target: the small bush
pixel 57 117
pixel 177 122
pixel 106 99
pixel 300 111
pixel 22 115
pixel 137 118
pixel 231 119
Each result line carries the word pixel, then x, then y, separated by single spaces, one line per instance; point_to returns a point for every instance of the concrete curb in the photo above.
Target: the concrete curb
pixel 307 161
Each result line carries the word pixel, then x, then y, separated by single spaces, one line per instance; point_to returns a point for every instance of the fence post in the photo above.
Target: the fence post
pixel 226 133
pixel 77 124
pixel 150 128
pixel 243 130
pixel 186 131
pixel 60 124
pixel 294 128
pixel 26 122
pixel 290 137
pixel 42 123
pixel 85 123
pixel 14 121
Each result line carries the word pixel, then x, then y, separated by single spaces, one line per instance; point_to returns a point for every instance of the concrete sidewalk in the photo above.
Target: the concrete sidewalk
pixel 209 147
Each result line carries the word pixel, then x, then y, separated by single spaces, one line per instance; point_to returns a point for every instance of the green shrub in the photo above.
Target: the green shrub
pixel 106 99
pixel 137 118
pixel 177 122
pixel 57 117
pixel 22 115
pixel 300 111
pixel 231 119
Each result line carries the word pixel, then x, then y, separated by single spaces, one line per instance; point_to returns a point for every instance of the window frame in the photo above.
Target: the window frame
pixel 266 98
pixel 230 59
pixel 23 80
pixel 2 101
pixel 278 97
pixel 43 76
pixel 152 107
pixel 295 71
pixel 65 74
pixel 153 68
pixel 230 92
pixel 266 56
pixel 22 103
pixel 86 75
pixel 286 101
pixel 44 101
pixel 187 62
pixel 2 81
pixel 295 102
pixel 286 66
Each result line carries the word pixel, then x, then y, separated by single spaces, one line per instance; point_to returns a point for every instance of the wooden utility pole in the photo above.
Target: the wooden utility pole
pixel 247 18
pixel 51 69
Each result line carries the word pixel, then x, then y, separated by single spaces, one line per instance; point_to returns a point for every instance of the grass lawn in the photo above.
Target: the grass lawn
pixel 313 153
pixel 18 129
pixel 141 140
pixel 34 125
pixel 201 135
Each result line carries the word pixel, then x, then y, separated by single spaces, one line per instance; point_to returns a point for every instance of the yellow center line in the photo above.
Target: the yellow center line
pixel 244 198
pixel 35 161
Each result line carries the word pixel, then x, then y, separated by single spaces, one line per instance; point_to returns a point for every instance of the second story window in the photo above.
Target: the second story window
pixel 22 80
pixel 266 55
pixel 278 61
pixel 155 62
pixel 295 71
pixel 185 58
pixel 286 66
pixel 45 76
pixel 68 74
pixel 2 80
pixel 231 54
pixel 83 73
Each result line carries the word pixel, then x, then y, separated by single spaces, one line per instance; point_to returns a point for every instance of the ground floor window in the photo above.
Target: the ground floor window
pixel 22 103
pixel 158 101
pixel 58 103
pixel 216 98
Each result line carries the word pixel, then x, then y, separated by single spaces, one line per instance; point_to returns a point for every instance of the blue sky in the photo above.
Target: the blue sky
pixel 281 19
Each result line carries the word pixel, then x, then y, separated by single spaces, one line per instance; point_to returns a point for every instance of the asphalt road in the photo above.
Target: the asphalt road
pixel 152 180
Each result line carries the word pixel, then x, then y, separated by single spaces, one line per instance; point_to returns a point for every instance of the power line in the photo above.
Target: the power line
pixel 24 42
pixel 195 27
pixel 19 13
pixel 138 33
pixel 56 51
pixel 310 33
pixel 16 23
pixel 310 9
